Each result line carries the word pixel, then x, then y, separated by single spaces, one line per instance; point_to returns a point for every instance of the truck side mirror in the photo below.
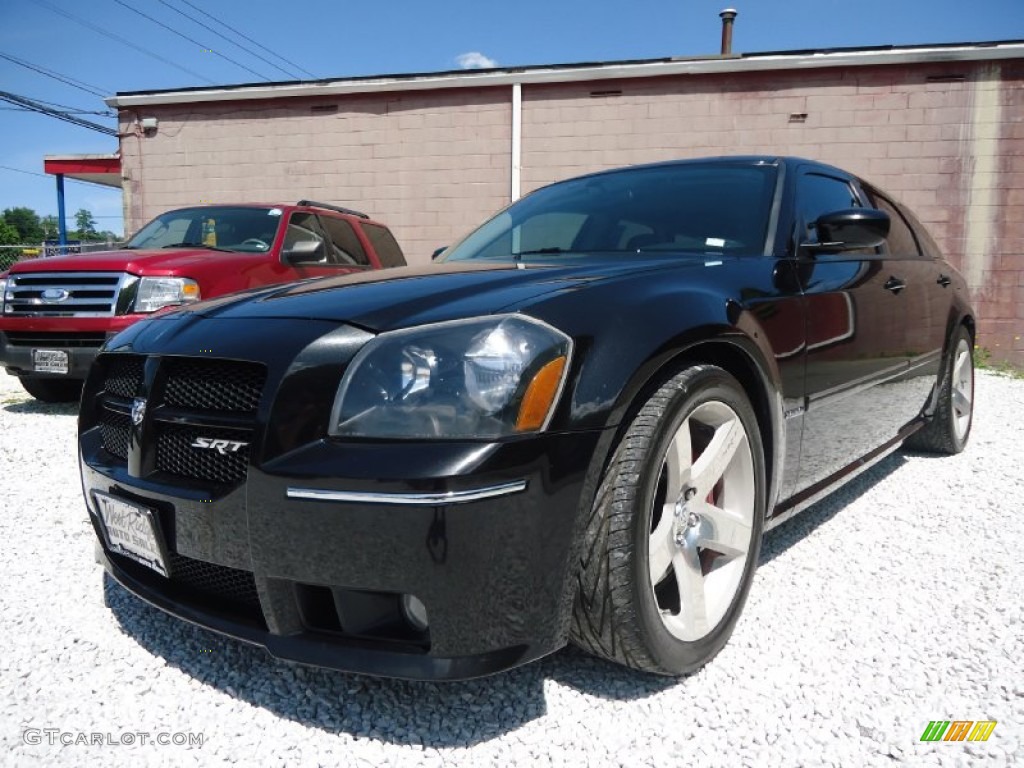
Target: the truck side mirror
pixel 438 252
pixel 303 251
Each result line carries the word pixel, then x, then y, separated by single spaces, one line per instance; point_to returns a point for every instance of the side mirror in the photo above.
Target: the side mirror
pixel 438 252
pixel 850 230
pixel 303 250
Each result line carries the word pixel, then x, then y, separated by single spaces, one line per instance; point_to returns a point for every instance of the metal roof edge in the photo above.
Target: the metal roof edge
pixel 101 156
pixel 578 73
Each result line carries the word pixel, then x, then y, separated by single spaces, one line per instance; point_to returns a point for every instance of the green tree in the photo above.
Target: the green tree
pixel 51 228
pixel 86 224
pixel 26 221
pixel 8 236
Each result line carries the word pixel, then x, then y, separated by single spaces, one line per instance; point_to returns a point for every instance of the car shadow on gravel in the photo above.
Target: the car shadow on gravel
pixel 35 407
pixel 798 528
pixel 431 715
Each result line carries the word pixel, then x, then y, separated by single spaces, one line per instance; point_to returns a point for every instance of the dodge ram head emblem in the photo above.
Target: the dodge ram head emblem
pixel 220 446
pixel 138 410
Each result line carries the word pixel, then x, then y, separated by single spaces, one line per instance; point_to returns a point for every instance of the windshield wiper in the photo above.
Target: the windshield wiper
pixel 196 245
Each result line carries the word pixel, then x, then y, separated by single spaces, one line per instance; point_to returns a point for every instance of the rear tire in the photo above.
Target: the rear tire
pixel 671 544
pixel 53 390
pixel 950 427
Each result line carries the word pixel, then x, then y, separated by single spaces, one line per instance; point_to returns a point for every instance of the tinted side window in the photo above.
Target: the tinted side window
pixel 925 241
pixel 901 240
pixel 346 246
pixel 384 243
pixel 818 194
pixel 303 227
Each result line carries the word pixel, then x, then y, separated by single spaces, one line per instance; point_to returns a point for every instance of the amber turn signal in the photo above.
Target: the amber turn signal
pixel 540 395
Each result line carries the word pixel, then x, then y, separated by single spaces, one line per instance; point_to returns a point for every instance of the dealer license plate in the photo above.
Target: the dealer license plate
pixel 49 360
pixel 132 531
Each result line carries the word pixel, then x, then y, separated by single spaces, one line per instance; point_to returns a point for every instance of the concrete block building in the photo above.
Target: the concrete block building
pixel 939 127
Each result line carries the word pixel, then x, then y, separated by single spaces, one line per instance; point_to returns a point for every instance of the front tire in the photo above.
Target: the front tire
pixel 671 544
pixel 950 427
pixel 53 390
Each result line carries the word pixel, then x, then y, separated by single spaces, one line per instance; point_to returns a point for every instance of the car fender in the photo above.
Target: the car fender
pixel 654 334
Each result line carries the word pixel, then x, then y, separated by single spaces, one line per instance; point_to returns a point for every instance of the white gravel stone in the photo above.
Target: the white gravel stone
pixel 894 602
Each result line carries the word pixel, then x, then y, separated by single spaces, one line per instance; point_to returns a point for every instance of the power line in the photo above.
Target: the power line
pixel 19 170
pixel 246 37
pixel 77 110
pixel 68 108
pixel 237 45
pixel 35 106
pixel 66 79
pixel 172 30
pixel 118 38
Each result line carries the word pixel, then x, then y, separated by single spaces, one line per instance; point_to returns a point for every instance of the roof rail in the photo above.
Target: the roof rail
pixel 328 206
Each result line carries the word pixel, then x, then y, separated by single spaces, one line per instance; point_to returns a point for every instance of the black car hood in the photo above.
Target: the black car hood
pixel 396 298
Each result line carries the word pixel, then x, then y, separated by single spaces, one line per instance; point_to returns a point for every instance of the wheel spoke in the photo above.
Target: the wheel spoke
pixel 723 530
pixel 961 403
pixel 712 463
pixel 662 546
pixel 960 370
pixel 678 461
pixel 690 580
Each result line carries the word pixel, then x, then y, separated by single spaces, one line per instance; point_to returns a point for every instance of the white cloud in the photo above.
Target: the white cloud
pixel 475 60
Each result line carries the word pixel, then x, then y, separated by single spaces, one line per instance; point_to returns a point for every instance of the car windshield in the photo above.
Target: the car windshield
pixel 222 228
pixel 693 208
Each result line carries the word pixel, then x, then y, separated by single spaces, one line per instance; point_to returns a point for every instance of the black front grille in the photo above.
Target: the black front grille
pixel 224 462
pixel 192 398
pixel 116 432
pixel 63 339
pixel 214 385
pixel 229 584
pixel 124 375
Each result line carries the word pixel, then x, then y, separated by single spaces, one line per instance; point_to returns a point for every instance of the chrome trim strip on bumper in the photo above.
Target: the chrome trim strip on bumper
pixel 409 499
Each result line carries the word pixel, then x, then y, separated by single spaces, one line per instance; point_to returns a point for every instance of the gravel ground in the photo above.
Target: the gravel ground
pixel 895 602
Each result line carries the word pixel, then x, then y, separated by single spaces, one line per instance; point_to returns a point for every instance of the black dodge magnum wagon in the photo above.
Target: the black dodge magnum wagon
pixel 575 426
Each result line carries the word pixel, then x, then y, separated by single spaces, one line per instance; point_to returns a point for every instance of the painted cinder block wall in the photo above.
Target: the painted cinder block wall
pixel 429 164
pixel 946 138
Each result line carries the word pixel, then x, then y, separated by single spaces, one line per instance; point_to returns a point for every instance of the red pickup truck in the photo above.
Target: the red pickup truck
pixel 58 311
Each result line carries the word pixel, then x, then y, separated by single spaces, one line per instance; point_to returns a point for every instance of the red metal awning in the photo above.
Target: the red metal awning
pixel 95 169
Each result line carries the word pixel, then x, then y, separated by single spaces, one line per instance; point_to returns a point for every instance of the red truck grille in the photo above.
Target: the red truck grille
pixel 63 294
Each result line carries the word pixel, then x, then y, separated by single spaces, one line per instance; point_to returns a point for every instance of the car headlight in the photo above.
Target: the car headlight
pixel 8 294
pixel 485 377
pixel 158 292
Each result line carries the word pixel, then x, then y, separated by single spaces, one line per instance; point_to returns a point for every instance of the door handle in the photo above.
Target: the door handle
pixel 944 281
pixel 894 284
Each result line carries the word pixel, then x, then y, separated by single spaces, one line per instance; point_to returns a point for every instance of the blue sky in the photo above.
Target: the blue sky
pixel 332 39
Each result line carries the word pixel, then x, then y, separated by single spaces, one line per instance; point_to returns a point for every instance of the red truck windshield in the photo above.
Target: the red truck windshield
pixel 226 228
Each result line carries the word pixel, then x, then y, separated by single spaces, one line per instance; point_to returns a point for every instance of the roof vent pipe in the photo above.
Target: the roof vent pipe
pixel 728 17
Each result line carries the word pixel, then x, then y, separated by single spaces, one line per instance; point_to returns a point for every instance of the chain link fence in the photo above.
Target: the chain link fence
pixel 9 254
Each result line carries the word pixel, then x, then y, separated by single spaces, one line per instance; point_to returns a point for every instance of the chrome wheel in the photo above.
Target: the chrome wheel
pixel 702 521
pixel 962 400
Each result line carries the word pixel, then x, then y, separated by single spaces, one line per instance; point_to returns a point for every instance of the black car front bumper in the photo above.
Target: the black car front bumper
pixel 279 561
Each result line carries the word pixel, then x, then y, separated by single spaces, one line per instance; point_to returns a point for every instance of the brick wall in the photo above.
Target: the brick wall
pixel 431 165
pixel 947 139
